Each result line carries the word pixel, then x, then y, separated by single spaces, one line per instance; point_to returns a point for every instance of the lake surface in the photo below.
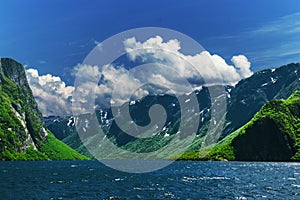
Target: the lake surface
pixel 180 180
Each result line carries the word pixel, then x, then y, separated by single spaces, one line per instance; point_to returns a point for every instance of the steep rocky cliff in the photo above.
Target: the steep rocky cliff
pixel 22 132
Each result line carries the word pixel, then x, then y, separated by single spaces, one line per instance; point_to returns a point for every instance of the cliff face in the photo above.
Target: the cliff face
pixel 22 131
pixel 15 72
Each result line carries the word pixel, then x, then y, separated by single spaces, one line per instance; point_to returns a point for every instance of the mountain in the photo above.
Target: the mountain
pixel 250 94
pixel 243 101
pixel 273 134
pixel 65 127
pixel 23 135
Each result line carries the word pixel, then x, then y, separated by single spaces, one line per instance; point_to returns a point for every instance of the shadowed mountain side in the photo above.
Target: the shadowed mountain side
pixel 272 135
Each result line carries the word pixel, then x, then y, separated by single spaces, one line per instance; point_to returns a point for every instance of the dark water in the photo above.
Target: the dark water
pixel 181 180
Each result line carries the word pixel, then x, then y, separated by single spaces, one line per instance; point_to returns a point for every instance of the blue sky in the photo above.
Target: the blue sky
pixel 53 37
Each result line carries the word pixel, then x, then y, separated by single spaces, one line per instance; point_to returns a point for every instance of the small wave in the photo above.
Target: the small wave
pixel 214 178
pixel 58 181
pixel 272 188
pixel 114 197
pixel 297 186
pixel 191 179
pixel 241 198
pixel 169 195
pixel 118 179
pixel 84 180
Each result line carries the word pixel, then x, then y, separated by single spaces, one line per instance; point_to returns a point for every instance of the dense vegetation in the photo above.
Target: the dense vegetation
pixel 22 132
pixel 57 150
pixel 272 135
pixel 250 94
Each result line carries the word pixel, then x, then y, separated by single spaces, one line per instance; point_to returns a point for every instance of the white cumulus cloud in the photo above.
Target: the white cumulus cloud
pixel 95 86
pixel 174 72
pixel 213 68
pixel 51 93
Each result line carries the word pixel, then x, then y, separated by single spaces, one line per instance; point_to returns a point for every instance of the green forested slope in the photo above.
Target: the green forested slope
pixel 272 135
pixel 22 132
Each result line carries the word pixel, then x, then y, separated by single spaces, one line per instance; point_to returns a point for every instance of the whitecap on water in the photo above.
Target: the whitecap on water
pixel 118 179
pixel 169 195
pixel 297 186
pixel 241 198
pixel 191 179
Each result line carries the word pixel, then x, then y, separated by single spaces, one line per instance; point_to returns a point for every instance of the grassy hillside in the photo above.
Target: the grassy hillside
pixel 22 130
pixel 52 149
pixel 57 150
pixel 272 135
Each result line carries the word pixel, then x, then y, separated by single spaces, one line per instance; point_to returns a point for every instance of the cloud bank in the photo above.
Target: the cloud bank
pixel 54 97
pixel 212 68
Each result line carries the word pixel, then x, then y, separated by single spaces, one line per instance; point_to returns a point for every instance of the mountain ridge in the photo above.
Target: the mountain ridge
pixel 244 100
